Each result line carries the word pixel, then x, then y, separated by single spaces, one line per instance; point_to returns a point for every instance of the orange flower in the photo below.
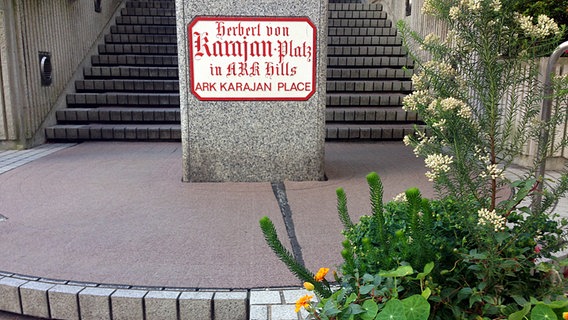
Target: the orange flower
pixel 565 315
pixel 321 274
pixel 303 302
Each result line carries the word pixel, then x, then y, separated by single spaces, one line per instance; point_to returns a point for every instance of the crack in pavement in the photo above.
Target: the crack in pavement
pixel 279 190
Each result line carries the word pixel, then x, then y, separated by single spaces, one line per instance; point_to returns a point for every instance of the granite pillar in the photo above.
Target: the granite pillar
pixel 252 89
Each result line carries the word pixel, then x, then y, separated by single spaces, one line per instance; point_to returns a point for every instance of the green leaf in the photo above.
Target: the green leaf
pixel 398 272
pixel 520 315
pixel 426 293
pixel 367 278
pixel 416 308
pixel 371 309
pixel 330 308
pixel 352 297
pixel 543 312
pixel 558 304
pixel 464 293
pixel 366 289
pixel 429 267
pixel 355 309
pixel 393 310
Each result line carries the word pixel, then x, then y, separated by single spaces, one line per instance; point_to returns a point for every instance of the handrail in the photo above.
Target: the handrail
pixel 545 117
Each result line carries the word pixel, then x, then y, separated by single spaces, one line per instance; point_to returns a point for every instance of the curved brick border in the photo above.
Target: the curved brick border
pixel 65 299
pixel 60 299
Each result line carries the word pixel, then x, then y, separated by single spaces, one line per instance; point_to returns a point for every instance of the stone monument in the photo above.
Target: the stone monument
pixel 252 89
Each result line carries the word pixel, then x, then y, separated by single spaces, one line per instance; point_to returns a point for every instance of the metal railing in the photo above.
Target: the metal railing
pixel 545 118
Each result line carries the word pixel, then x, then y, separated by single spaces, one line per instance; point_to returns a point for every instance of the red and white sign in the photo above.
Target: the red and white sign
pixel 252 58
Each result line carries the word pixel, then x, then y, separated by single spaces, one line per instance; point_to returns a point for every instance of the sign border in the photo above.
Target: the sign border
pixel 196 19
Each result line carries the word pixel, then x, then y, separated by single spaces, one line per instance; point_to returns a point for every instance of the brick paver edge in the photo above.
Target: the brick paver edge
pixel 53 298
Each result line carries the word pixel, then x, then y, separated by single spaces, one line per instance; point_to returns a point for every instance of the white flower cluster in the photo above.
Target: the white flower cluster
pixel 494 172
pixel 428 8
pixel 423 140
pixel 438 164
pixel 440 124
pixel 453 104
pixel 419 81
pixel 472 5
pixel 401 197
pixel 430 40
pixel 454 13
pixel 491 169
pixel 496 5
pixel 544 27
pixel 441 69
pixel 415 99
pixel 487 217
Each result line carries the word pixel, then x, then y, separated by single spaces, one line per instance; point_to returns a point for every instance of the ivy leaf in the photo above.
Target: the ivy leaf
pixel 543 312
pixel 393 310
pixel 416 308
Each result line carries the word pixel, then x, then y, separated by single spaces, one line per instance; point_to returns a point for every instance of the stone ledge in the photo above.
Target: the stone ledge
pixel 62 299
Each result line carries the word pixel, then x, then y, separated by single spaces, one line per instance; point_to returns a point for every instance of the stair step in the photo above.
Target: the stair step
pixel 130 73
pixel 364 41
pixel 362 32
pixel 148 12
pixel 131 89
pixel 368 132
pixel 364 15
pixel 140 39
pixel 364 99
pixel 137 49
pixel 359 23
pixel 122 99
pixel 365 62
pixel 369 86
pixel 355 7
pixel 344 1
pixel 369 115
pixel 362 51
pixel 118 115
pixel 368 73
pixel 148 86
pixel 155 21
pixel 131 132
pixel 151 4
pixel 134 60
pixel 143 29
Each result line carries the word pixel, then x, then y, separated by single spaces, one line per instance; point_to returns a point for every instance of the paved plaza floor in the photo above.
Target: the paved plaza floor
pixel 118 213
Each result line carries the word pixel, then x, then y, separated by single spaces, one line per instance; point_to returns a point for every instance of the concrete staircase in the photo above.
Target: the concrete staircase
pixel 131 89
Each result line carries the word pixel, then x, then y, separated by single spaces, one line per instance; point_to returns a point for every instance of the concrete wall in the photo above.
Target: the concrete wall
pixel 65 28
pixel 396 9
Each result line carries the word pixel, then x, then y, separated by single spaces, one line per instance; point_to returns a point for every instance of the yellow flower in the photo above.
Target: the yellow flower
pixel 303 302
pixel 565 315
pixel 320 276
pixel 308 286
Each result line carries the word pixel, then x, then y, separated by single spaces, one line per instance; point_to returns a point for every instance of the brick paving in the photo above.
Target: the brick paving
pixel 112 175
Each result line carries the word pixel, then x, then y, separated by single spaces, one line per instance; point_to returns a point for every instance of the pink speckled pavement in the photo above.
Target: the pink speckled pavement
pixel 118 213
